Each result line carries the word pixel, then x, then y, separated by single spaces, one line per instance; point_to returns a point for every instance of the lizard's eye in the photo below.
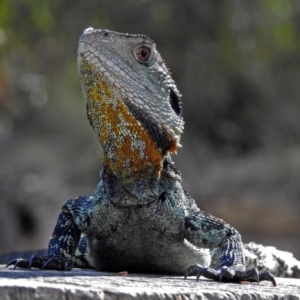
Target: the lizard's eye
pixel 143 53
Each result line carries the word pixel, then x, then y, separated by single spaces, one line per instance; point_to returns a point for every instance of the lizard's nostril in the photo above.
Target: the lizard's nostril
pixel 105 32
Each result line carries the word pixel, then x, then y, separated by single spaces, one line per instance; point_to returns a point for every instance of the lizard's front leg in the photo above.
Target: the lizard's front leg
pixel 63 242
pixel 206 231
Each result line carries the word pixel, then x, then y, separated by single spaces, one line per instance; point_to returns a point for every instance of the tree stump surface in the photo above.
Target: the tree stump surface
pixel 91 284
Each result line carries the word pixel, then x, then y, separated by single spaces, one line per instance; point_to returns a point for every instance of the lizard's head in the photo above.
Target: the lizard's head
pixel 127 85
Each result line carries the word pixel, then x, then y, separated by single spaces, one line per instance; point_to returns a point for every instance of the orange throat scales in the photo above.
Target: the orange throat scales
pixel 129 149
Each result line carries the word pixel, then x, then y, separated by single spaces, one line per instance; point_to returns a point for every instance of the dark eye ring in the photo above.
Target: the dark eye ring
pixel 143 53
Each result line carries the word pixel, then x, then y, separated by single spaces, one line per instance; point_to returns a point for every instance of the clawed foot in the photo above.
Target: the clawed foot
pixel 45 262
pixel 226 274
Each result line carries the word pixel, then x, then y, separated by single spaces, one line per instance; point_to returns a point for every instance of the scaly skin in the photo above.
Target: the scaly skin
pixel 139 219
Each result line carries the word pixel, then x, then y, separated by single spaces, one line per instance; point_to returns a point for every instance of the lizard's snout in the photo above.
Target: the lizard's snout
pixel 82 47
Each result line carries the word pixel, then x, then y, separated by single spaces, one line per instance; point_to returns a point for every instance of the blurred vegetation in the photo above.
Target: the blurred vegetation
pixel 237 64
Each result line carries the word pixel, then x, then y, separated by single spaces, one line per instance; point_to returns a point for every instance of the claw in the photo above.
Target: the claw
pixel 256 275
pixel 200 272
pixel 30 261
pixel 186 273
pixel 268 277
pixel 222 272
pixel 46 263
pixel 16 264
pixel 273 280
pixel 191 270
pixel 13 262
pixel 66 266
pixel 233 274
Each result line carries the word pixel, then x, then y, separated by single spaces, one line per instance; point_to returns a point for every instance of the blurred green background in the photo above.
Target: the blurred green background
pixel 237 64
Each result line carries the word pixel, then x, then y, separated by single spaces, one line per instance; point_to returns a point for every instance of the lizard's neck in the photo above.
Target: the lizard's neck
pixel 133 156
pixel 129 150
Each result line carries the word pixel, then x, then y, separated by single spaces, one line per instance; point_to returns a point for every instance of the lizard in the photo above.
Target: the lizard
pixel 139 219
